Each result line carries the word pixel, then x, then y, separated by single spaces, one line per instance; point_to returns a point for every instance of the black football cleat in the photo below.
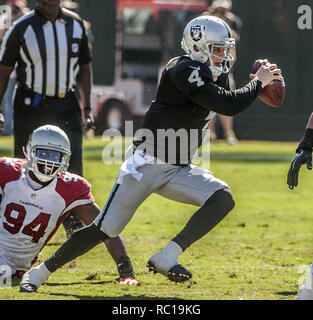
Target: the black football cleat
pixel 28 288
pixel 177 273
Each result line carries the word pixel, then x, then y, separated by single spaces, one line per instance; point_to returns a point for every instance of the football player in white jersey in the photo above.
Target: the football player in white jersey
pixel 37 194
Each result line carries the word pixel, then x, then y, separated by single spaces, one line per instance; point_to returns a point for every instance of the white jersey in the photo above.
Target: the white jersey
pixel 28 217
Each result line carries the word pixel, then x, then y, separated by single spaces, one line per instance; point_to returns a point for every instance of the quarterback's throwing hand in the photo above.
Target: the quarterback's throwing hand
pixel 303 157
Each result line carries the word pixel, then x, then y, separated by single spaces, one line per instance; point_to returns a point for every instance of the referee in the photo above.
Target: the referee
pixel 49 49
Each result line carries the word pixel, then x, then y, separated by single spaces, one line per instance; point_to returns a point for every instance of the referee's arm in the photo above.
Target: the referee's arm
pixel 84 82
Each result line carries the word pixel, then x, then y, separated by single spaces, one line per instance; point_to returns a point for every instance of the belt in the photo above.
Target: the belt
pixel 43 96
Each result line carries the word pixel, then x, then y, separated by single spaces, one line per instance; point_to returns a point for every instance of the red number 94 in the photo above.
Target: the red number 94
pixel 14 224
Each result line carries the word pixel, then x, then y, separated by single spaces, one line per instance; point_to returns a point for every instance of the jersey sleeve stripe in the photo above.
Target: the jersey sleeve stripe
pixel 78 203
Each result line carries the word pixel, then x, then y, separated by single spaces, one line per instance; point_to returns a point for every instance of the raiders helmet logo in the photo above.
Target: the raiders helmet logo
pixel 195 32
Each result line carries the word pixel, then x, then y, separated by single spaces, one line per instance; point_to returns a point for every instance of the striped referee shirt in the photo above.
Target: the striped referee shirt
pixel 47 54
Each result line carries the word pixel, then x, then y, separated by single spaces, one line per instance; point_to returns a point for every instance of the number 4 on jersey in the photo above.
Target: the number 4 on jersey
pixel 195 77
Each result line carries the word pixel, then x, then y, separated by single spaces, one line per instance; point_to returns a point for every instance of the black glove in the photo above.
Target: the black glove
pixel 303 156
pixel 300 158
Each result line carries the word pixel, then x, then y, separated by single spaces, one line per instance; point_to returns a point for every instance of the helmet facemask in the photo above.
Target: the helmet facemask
pixel 47 164
pixel 227 61
pixel 48 153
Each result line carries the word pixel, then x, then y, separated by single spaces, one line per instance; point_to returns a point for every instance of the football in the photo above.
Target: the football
pixel 273 94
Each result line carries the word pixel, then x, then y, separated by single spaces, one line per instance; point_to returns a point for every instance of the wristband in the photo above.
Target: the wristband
pixel 87 109
pixel 306 142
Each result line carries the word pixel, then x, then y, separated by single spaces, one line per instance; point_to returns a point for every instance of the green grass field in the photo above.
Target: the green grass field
pixel 255 253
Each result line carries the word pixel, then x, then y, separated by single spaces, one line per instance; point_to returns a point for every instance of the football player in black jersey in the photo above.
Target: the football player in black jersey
pixel 192 89
pixel 303 156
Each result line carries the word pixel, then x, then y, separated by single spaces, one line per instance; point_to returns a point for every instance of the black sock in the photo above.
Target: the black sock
pixel 206 218
pixel 125 268
pixel 80 242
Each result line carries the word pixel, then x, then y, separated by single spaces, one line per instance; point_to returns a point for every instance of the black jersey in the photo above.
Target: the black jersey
pixel 186 100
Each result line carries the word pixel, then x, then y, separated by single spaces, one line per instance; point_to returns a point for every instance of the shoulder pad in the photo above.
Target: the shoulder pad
pixel 10 170
pixel 185 64
pixel 72 187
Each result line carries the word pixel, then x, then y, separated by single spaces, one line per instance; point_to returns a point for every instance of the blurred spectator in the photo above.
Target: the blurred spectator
pixel 19 8
pixel 74 6
pixel 222 9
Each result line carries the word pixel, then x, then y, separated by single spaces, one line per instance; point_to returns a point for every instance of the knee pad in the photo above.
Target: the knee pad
pixel 222 198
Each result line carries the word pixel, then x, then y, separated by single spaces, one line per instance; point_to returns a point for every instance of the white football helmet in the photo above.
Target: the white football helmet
pixel 48 152
pixel 206 32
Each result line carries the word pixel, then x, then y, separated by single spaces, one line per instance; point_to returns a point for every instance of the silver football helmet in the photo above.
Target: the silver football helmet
pixel 201 35
pixel 48 152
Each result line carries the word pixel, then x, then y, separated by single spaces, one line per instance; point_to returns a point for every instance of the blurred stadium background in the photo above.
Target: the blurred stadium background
pixel 269 31
pixel 256 252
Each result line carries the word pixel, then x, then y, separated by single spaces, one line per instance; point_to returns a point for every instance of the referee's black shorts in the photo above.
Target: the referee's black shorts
pixel 62 112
